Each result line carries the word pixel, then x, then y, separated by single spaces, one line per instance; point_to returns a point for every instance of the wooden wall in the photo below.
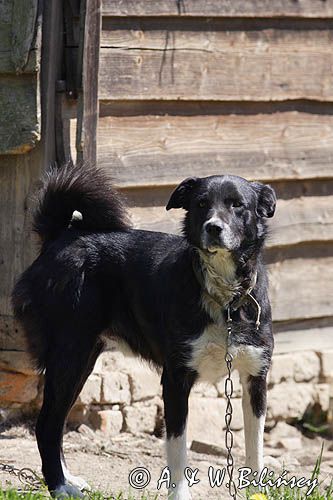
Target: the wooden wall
pixel 19 65
pixel 189 87
pixel 199 87
pixel 20 148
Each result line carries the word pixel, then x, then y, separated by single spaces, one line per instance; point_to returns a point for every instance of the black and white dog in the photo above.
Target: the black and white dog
pixel 165 296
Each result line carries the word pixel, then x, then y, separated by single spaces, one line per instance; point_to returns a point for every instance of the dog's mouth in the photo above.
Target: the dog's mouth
pixel 214 249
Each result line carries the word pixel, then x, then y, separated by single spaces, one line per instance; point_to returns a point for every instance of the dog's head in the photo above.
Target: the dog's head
pixel 223 212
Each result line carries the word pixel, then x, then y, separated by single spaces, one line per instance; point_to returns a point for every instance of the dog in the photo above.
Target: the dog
pixel 167 297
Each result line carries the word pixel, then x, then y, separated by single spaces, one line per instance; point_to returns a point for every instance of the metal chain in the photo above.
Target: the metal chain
pixel 27 476
pixel 229 390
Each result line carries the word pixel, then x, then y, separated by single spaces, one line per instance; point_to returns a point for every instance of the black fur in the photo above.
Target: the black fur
pixel 98 277
pixel 258 391
pixel 88 191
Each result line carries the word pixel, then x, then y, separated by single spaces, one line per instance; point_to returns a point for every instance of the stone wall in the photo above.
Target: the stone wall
pixel 122 394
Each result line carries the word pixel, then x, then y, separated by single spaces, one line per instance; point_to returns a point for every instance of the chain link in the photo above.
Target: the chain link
pixel 26 476
pixel 229 390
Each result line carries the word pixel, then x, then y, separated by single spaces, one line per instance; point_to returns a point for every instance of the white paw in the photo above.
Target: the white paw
pixel 65 491
pixel 79 482
pixel 181 492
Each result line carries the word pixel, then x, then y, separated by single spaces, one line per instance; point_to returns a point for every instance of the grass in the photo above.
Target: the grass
pixel 12 494
pixel 321 492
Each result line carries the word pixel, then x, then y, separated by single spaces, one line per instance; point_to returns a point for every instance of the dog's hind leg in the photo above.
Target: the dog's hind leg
pixel 77 481
pixel 176 389
pixel 67 369
pixel 254 411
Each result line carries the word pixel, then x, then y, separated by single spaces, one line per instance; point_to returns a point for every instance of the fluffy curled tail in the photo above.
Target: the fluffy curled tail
pixel 77 188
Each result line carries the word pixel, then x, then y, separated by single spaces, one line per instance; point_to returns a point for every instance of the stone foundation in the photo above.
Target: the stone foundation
pixel 124 395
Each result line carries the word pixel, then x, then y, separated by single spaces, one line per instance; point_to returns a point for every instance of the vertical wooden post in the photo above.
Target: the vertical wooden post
pixel 90 22
pixel 52 50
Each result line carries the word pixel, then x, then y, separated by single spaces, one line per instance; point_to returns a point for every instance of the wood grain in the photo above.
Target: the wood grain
pixel 18 173
pixel 258 65
pixel 20 122
pixel 88 94
pixel 304 339
pixel 163 150
pixel 23 39
pixel 301 288
pixel 18 52
pixel 296 221
pixel 305 219
pixel 11 334
pixel 251 8
pixel 52 72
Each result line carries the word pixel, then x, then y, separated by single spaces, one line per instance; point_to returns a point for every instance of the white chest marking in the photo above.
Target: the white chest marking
pixel 208 353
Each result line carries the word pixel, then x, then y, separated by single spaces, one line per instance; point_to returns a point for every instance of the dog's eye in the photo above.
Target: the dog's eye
pixel 202 203
pixel 237 204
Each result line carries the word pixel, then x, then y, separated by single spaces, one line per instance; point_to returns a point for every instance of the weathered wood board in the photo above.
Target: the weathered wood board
pixel 23 37
pixel 88 95
pixel 19 84
pixel 20 121
pixel 18 42
pixel 305 219
pixel 18 173
pixel 163 150
pixel 11 334
pixel 301 288
pixel 312 339
pixel 262 65
pixel 232 8
pixel 297 220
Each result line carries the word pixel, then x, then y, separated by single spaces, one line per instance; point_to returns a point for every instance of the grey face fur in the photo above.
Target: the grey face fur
pixel 223 211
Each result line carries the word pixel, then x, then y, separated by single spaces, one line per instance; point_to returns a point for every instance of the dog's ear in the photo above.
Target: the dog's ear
pixel 266 199
pixel 181 196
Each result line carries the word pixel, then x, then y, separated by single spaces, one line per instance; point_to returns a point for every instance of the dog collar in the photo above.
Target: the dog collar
pixel 237 301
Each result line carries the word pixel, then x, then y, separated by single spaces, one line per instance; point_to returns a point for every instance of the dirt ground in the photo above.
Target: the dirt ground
pixel 106 463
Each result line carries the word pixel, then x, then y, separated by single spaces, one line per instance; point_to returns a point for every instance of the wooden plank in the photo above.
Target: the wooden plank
pixel 6 11
pixel 18 52
pixel 51 74
pixel 301 288
pixel 19 104
pixel 163 150
pixel 24 20
pixel 18 174
pixel 232 8
pixel 88 96
pixel 11 335
pixel 7 66
pixel 305 219
pixel 296 221
pixel 259 65
pixel 312 339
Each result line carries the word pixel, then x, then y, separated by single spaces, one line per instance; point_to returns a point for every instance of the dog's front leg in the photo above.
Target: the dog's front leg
pixel 176 389
pixel 254 412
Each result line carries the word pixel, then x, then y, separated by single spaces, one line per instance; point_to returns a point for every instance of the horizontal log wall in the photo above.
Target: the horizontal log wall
pixel 244 87
pixel 20 149
pixel 19 78
pixel 205 60
pixel 227 8
pixel 155 150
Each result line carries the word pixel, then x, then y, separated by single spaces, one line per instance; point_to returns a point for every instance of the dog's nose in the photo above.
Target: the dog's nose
pixel 214 228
